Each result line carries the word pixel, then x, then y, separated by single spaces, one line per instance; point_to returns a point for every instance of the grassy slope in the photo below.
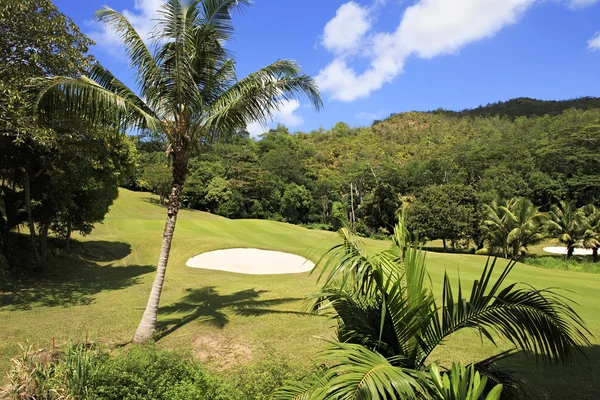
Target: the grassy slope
pixel 226 318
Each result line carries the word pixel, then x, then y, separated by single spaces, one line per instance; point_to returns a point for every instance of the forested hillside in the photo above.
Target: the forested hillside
pixel 320 177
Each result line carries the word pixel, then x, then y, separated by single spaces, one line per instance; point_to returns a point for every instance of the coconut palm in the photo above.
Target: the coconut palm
pixel 188 93
pixel 389 323
pixel 528 225
pixel 591 236
pixel 498 225
pixel 567 224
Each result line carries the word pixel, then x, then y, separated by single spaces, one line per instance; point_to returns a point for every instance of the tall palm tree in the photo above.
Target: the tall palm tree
pixel 567 224
pixel 591 236
pixel 389 321
pixel 528 225
pixel 187 92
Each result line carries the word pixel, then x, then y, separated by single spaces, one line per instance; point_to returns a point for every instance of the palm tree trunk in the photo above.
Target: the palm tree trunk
pixel 595 254
pixel 570 250
pixel 147 326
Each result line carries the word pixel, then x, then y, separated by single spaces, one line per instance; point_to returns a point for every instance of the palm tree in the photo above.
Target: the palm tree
pixel 591 236
pixel 389 322
pixel 528 225
pixel 188 94
pixel 567 224
pixel 498 225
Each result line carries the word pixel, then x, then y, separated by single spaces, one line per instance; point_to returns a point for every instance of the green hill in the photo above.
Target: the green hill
pixel 229 319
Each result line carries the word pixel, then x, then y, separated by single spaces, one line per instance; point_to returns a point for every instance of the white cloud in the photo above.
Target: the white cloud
pixel 580 3
pixel 286 116
pixel 427 29
pixel 346 30
pixel 594 42
pixel 143 19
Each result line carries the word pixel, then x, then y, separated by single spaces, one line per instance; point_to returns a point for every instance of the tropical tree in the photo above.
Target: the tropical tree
pixel 567 224
pixel 389 321
pixel 498 225
pixel 188 93
pixel 591 236
pixel 528 225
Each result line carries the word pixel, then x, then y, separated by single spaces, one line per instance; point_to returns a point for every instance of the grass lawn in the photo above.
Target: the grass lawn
pixel 230 319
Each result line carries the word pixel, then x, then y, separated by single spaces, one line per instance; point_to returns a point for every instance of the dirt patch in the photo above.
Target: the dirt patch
pixel 220 351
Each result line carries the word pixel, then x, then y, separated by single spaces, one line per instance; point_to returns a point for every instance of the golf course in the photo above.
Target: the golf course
pixel 228 320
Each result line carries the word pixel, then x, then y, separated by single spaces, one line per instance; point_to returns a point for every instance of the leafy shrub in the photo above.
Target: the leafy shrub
pixel 573 264
pixel 143 372
pixel 258 382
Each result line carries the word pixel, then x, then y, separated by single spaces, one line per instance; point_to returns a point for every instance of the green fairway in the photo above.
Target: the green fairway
pixel 229 319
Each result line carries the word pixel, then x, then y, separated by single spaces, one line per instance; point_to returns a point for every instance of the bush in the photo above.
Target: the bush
pixel 143 372
pixel 136 373
pixel 573 264
pixel 258 382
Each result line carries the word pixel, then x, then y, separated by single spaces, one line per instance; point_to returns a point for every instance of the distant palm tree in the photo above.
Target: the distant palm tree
pixel 591 236
pixel 498 225
pixel 188 94
pixel 567 224
pixel 528 225
pixel 389 322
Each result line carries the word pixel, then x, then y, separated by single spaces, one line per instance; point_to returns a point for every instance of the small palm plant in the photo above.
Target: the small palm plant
pixel 389 323
pixel 498 226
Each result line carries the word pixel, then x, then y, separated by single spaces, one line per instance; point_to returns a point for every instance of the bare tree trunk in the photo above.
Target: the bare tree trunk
pixel 147 326
pixel 44 242
pixel 595 254
pixel 445 247
pixel 32 235
pixel 570 250
pixel 68 238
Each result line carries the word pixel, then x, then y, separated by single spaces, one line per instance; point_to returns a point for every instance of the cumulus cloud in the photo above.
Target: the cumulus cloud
pixel 594 42
pixel 142 17
pixel 286 115
pixel 346 30
pixel 427 29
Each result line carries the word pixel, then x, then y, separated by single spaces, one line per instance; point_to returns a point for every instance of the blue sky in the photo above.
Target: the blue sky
pixel 372 58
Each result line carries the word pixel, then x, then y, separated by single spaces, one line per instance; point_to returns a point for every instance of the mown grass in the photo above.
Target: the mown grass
pixel 230 319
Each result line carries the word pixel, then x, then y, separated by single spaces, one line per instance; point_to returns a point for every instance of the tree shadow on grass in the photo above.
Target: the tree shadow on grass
pixel 576 381
pixel 207 305
pixel 74 279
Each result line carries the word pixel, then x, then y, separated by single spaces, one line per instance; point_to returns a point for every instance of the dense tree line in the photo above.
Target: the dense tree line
pixel 60 176
pixel 443 167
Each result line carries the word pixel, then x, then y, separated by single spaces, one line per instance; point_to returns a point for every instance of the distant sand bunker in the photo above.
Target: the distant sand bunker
pixel 563 250
pixel 251 261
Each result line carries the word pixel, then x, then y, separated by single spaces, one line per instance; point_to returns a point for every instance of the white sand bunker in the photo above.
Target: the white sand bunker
pixel 251 261
pixel 563 250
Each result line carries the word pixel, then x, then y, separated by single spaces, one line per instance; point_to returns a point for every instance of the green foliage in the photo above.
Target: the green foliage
pixel 389 323
pixel 295 203
pixel 445 212
pixel 144 372
pixel 571 264
pixel 461 383
pixel 157 177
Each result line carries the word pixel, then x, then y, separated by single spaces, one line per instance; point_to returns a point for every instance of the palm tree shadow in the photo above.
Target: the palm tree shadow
pixel 208 306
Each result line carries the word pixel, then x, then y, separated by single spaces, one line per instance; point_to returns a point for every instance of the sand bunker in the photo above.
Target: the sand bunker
pixel 563 250
pixel 251 261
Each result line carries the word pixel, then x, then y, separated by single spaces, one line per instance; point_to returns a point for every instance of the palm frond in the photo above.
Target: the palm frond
pixel 256 97
pixel 60 97
pixel 358 373
pixel 536 321
pixel 148 76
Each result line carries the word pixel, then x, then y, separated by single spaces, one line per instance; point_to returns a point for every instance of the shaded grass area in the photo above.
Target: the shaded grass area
pixel 99 294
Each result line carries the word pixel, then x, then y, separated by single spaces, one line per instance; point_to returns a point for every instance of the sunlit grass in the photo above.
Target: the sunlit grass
pixel 229 319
